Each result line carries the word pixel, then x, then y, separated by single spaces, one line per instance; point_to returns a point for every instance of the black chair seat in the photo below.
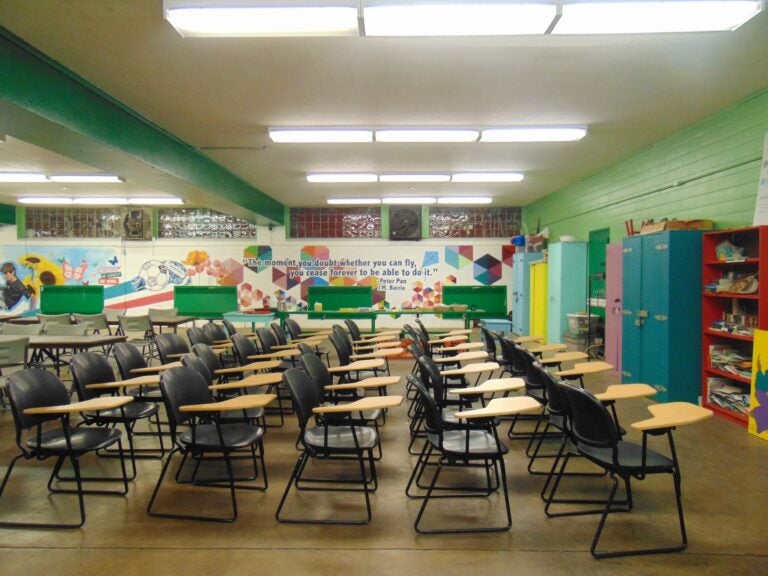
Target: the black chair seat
pixel 340 438
pixel 132 411
pixel 235 436
pixel 630 458
pixel 81 440
pixel 237 416
pixel 481 443
pixel 146 393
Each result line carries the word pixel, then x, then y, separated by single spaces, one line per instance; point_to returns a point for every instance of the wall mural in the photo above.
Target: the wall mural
pixel 401 276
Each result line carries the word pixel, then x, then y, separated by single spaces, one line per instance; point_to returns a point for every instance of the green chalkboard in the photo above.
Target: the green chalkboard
pixel 337 297
pixel 71 299
pixel 491 300
pixel 205 301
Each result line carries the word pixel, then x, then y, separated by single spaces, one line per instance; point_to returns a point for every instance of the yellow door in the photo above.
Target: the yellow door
pixel 539 299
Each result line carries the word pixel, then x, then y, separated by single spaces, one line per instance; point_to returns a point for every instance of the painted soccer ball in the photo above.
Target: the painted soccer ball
pixel 155 274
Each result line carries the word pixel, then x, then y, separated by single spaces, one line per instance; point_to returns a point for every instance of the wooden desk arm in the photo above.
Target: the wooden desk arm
pixel 385 353
pixel 278 354
pixel 367 403
pixel 237 403
pixel 491 386
pixel 357 366
pixel 159 368
pixel 502 407
pixel 92 405
pixel 375 382
pixel 471 369
pixel 149 380
pixel 672 415
pixel 252 367
pixel 255 381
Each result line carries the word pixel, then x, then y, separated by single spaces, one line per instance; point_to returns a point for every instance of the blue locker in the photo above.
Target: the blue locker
pixel 661 329
pixel 521 278
pixel 567 286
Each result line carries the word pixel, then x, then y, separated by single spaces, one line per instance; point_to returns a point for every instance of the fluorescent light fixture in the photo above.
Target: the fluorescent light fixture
pixel 193 18
pixel 458 18
pixel 465 200
pixel 617 17
pixel 342 178
pixel 84 178
pixel 20 177
pixel 486 177
pixel 414 178
pixel 409 200
pixel 353 201
pixel 156 201
pixel 426 135
pixel 44 200
pixel 100 200
pixel 534 134
pixel 320 135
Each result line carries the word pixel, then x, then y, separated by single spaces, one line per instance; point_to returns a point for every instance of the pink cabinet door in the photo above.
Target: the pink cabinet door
pixel 613 305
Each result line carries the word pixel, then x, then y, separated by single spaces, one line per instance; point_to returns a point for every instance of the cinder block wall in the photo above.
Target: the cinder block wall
pixel 708 170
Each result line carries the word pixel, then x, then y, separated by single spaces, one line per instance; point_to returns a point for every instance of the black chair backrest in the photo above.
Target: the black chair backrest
pixel 208 356
pixel 341 349
pixel 424 331
pixel 591 423
pixel 280 335
pixel 431 378
pixel 32 388
pixel 489 340
pixel 214 332
pixel 316 370
pixel 354 329
pixel 89 368
pixel 230 328
pixel 509 351
pixel 293 328
pixel 343 338
pixel 244 347
pixel 557 405
pixel 266 339
pixel 196 363
pixel 534 385
pixel 305 348
pixel 432 417
pixel 169 343
pixel 303 393
pixel 182 386
pixel 197 336
pixel 128 357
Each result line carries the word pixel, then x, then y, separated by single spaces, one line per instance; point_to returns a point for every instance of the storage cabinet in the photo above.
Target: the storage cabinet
pixel 539 273
pixel 521 279
pixel 566 285
pixel 613 305
pixel 734 303
pixel 661 344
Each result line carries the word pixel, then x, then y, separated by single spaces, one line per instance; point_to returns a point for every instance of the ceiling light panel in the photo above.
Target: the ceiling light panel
pixel 409 200
pixel 353 201
pixel 237 18
pixel 100 201
pixel 464 200
pixel 414 178
pixel 617 17
pixel 21 177
pixel 457 18
pixel 487 177
pixel 534 134
pixel 49 200
pixel 320 135
pixel 85 178
pixel 156 201
pixel 426 135
pixel 342 178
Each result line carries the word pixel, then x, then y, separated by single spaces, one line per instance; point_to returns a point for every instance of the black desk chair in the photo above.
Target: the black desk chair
pixel 48 433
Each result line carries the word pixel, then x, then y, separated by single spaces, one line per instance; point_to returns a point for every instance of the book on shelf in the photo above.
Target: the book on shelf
pixel 723 393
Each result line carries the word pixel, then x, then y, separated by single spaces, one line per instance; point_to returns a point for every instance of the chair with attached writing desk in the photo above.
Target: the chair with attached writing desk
pixel 92 377
pixel 14 354
pixel 199 434
pixel 170 347
pixel 337 442
pixel 472 447
pixel 596 437
pixel 41 413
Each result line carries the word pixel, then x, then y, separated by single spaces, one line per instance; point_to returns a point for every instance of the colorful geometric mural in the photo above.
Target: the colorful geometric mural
pixel 487 270
pixel 758 406
pixel 507 252
pixel 458 256
pixel 309 253
pixel 253 253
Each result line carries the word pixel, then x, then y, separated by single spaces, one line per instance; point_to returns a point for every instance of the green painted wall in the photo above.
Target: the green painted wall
pixel 708 170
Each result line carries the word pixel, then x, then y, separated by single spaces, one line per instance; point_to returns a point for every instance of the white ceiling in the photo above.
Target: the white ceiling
pixel 220 95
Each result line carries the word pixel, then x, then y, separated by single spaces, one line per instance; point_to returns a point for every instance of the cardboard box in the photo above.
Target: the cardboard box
pixel 677 225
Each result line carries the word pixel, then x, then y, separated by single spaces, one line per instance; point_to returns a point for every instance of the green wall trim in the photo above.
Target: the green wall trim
pixel 37 84
pixel 709 170
pixel 425 221
pixel 21 222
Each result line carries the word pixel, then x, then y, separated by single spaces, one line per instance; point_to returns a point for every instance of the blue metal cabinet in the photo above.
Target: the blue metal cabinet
pixel 567 286
pixel 661 341
pixel 521 279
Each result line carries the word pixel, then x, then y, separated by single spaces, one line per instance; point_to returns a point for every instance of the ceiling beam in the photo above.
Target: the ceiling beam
pixel 49 106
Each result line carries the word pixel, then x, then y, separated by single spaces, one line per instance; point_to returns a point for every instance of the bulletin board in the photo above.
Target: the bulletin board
pixel 205 301
pixel 59 299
